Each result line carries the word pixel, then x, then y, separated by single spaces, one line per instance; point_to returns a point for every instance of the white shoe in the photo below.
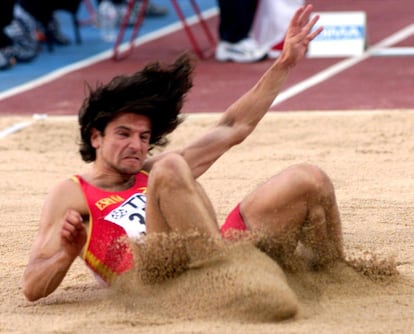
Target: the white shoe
pixel 245 51
pixel 273 54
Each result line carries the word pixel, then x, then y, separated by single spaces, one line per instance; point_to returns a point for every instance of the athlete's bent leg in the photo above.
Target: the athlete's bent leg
pixel 176 202
pixel 295 205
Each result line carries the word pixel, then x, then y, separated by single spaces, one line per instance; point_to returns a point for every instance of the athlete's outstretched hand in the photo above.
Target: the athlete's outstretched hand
pixel 73 233
pixel 299 35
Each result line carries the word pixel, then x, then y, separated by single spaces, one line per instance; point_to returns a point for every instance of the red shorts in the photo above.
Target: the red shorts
pixel 234 221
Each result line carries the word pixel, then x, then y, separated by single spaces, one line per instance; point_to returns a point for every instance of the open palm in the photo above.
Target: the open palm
pixel 299 35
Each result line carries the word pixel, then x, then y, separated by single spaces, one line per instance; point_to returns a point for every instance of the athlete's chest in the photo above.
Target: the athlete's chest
pixel 110 211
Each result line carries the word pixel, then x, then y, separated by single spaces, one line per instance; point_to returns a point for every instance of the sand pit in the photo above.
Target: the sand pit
pixel 370 158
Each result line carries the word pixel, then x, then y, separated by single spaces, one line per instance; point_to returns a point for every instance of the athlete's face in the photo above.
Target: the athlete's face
pixel 124 146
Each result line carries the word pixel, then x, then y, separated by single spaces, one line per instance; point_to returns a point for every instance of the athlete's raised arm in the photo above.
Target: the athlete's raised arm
pixel 241 118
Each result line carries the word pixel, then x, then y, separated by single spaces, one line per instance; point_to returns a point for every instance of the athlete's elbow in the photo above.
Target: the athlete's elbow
pixel 237 131
pixel 29 293
pixel 31 297
pixel 31 290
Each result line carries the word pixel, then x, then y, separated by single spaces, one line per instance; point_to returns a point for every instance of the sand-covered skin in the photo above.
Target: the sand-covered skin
pixel 368 155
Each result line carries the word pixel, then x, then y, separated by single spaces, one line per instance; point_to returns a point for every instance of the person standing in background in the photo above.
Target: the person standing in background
pixel 235 44
pixel 17 36
pixel 7 58
pixel 271 23
pixel 42 11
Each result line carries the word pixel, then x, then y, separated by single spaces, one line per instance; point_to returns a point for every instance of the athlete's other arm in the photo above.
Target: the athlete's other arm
pixel 59 241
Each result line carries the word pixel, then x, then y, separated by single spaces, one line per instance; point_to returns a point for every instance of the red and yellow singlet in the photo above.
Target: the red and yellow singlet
pixel 113 217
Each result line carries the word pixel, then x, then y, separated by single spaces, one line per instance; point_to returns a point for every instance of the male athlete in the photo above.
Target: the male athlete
pixel 126 193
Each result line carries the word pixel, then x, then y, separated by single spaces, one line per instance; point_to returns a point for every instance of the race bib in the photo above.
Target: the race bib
pixel 130 215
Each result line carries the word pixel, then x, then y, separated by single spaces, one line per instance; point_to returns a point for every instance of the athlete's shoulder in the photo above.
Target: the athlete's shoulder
pixel 66 194
pixel 70 184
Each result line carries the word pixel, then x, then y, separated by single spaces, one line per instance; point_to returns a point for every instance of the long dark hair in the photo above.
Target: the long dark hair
pixel 157 91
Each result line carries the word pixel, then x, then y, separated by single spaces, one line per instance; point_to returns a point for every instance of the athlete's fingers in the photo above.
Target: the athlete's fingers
pixel 304 14
pixel 72 225
pixel 297 16
pixel 73 217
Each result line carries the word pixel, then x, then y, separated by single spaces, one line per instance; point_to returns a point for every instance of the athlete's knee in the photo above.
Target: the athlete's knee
pixel 312 179
pixel 171 170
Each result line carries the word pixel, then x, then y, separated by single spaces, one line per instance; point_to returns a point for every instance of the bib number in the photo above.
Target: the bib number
pixel 130 215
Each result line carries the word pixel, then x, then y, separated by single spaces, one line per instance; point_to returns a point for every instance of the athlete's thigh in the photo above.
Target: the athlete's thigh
pixel 277 204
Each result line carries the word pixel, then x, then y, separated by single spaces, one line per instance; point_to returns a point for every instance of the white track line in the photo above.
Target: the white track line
pixel 14 128
pixel 21 125
pixel 343 65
